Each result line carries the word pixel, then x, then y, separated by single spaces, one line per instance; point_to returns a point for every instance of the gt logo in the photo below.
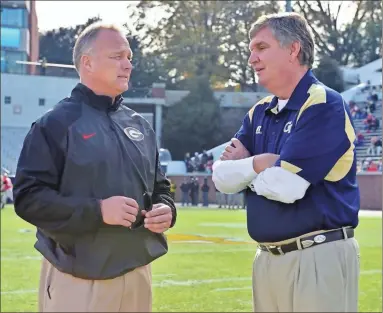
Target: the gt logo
pixel 133 134
pixel 287 128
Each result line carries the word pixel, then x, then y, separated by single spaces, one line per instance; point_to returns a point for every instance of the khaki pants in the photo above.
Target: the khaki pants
pixel 60 292
pixel 323 278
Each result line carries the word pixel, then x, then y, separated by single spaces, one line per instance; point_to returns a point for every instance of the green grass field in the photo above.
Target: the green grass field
pixel 208 267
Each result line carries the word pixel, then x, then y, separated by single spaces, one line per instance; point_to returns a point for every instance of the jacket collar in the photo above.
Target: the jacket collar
pixel 103 103
pixel 299 95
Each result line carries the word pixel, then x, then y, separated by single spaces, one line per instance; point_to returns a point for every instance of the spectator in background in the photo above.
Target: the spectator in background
pixel 220 198
pixel 354 109
pixel 358 166
pixel 234 200
pixel 6 187
pixel 375 147
pixel 173 188
pixel 378 146
pixel 210 161
pixel 205 193
pixel 365 164
pixel 204 157
pixel 194 191
pixel 372 167
pixel 371 122
pixel 196 162
pixel 359 138
pixel 185 188
pixel 188 163
pixel 380 165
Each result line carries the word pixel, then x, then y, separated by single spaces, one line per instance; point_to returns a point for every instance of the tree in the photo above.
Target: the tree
pixel 355 42
pixel 197 38
pixel 57 45
pixel 329 73
pixel 193 123
pixel 147 68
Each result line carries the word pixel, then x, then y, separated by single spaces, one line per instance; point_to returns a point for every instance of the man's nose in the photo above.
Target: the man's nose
pixel 127 65
pixel 253 58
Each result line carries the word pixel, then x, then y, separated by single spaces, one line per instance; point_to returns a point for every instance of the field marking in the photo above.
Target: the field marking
pixel 242 225
pixel 190 282
pixel 193 282
pixel 233 288
pixel 21 258
pixel 371 272
pixel 15 292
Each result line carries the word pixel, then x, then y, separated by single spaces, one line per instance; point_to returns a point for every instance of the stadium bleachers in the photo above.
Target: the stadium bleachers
pixel 12 139
pixel 361 99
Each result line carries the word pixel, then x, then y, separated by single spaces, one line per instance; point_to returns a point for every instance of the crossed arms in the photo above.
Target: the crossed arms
pixel 321 147
pixel 237 169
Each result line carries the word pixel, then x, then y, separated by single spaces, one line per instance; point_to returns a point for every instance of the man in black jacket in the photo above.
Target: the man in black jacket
pixel 89 179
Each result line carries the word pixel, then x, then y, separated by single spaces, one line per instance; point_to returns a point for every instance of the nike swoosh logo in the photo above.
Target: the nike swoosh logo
pixel 87 136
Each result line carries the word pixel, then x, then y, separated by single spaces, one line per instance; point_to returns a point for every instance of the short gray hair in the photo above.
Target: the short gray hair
pixel 86 38
pixel 289 27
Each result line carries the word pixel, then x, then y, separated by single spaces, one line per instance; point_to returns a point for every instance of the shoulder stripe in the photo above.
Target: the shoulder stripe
pixel 264 100
pixel 344 164
pixel 317 95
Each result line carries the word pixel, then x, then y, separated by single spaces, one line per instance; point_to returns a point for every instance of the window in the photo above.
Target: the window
pixel 7 100
pixel 41 102
pixel 9 59
pixel 10 37
pixel 3 61
pixel 14 17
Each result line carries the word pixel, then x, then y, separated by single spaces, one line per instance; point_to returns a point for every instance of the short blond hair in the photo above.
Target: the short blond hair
pixel 86 38
pixel 288 27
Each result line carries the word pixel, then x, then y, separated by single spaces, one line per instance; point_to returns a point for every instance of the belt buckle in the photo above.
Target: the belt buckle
pixel 279 249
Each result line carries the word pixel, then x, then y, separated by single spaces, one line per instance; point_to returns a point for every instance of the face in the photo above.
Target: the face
pixel 269 60
pixel 109 62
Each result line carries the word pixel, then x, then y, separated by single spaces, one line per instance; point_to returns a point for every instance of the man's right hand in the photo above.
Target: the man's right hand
pixel 235 151
pixel 119 210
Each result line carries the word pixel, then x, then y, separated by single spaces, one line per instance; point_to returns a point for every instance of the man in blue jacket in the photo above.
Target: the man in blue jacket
pixel 295 157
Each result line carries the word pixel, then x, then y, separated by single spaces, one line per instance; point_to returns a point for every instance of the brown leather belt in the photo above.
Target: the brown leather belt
pixel 310 241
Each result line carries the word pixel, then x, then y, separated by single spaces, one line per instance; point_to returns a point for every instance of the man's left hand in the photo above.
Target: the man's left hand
pixel 158 219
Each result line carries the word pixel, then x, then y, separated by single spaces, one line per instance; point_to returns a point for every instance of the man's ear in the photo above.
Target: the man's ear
pixel 86 62
pixel 294 50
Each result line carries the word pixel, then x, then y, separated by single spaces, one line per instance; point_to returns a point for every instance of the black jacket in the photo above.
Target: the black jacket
pixel 87 149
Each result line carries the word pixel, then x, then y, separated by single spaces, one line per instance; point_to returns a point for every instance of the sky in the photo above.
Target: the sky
pixel 55 14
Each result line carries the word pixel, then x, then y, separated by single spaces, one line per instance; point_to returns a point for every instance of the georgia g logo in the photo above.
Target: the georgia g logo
pixel 288 127
pixel 133 133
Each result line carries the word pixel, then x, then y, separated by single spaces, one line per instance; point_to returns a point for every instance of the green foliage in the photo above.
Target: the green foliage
pixel 193 124
pixel 355 42
pixel 329 73
pixel 56 45
pixel 197 38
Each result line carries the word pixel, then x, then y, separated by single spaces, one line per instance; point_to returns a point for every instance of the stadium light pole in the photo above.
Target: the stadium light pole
pixel 288 6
